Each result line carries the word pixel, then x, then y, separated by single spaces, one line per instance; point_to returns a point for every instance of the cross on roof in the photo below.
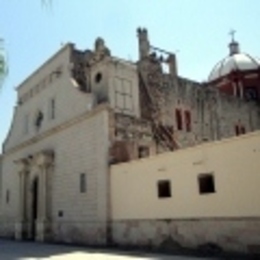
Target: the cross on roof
pixel 232 34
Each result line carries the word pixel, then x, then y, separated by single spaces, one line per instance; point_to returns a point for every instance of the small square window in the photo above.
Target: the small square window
pixel 206 183
pixel 82 183
pixel 143 151
pixel 60 213
pixel 164 189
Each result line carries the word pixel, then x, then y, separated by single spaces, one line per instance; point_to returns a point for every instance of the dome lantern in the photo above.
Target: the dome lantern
pixel 234 48
pixel 234 45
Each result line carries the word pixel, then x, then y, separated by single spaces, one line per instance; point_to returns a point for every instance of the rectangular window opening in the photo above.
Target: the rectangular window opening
pixel 123 95
pixel 178 119
pixel 143 151
pixel 52 108
pixel 206 184
pixel 164 189
pixel 237 131
pixel 7 197
pixel 242 130
pixel 188 120
pixel 82 183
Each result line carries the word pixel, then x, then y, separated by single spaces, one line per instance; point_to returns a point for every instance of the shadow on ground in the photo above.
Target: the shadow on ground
pixel 14 250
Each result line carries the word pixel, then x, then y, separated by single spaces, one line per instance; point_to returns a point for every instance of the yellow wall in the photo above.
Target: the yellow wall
pixel 235 163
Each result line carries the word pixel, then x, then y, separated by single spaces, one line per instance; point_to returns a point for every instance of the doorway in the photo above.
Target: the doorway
pixel 35 187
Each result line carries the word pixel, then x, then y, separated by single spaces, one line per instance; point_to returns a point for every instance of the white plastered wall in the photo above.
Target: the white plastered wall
pixel 233 162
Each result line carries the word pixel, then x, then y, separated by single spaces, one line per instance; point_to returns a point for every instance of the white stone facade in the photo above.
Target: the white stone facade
pixel 73 142
pixel 79 148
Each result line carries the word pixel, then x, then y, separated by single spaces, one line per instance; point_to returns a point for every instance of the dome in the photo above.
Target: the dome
pixel 236 61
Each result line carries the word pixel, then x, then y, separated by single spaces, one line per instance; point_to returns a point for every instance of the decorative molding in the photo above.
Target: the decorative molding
pixel 23 165
pixel 56 129
pixel 44 158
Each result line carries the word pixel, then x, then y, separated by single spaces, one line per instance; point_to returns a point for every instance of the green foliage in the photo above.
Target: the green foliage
pixel 3 63
pixel 46 2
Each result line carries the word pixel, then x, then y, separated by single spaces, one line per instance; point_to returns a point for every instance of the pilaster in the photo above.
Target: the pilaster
pixel 20 225
pixel 44 161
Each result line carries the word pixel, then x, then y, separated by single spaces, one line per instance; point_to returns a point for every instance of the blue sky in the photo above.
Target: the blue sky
pixel 196 29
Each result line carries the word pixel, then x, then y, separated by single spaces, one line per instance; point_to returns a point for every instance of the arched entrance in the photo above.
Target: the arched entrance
pixel 33 221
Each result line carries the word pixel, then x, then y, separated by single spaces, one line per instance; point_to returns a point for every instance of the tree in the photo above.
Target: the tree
pixel 3 63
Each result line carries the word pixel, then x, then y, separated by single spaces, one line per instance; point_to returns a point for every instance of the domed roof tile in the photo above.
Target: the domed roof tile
pixel 236 61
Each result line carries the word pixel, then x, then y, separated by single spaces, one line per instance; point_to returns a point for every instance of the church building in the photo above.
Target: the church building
pixel 85 112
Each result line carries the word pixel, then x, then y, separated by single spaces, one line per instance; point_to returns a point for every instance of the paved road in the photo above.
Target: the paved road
pixel 11 250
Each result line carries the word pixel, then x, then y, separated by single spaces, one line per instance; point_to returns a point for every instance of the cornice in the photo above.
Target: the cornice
pixel 57 129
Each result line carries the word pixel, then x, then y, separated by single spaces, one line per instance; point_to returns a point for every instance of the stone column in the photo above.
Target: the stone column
pixel 22 196
pixel 44 161
pixel 20 225
pixel 234 89
pixel 241 89
pixel 42 193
